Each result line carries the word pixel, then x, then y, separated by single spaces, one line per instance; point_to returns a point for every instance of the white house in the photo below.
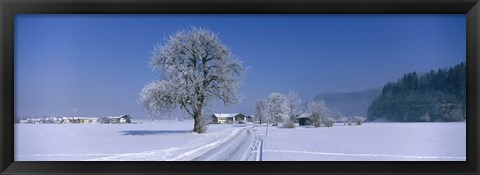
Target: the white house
pixel 65 120
pixel 119 119
pixel 93 120
pixel 249 118
pixel 35 120
pixel 57 120
pixel 228 118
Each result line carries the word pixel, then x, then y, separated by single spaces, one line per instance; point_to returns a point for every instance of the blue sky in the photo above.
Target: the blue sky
pixel 95 65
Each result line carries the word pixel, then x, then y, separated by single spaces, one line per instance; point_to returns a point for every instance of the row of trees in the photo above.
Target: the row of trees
pixel 279 108
pixel 434 96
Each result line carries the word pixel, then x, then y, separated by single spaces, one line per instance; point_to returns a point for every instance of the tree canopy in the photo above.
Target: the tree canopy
pixel 196 68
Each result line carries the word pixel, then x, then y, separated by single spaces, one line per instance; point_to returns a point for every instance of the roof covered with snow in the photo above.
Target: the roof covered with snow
pixel 118 117
pixel 304 115
pixel 225 115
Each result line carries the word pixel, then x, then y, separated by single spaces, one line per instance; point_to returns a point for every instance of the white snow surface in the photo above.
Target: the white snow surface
pixel 368 142
pixel 164 140
pixel 148 141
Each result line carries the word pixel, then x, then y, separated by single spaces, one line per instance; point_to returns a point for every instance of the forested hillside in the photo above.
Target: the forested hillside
pixel 434 96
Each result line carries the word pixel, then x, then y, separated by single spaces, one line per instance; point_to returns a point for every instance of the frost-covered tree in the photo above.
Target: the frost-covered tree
pixel 318 112
pixel 328 122
pixel 293 105
pixel 457 114
pixel 277 109
pixel 196 68
pixel 426 117
pixel 338 117
pixel 260 111
pixel 358 120
pixel 350 121
pixel 344 120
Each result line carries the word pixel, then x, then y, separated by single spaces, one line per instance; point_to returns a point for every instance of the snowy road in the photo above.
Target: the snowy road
pixel 240 148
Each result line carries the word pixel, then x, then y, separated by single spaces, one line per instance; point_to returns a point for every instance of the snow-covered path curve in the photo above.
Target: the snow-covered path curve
pixel 238 148
pixel 237 145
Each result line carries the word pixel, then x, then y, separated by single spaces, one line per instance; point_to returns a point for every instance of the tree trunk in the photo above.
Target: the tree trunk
pixel 196 125
pixel 199 125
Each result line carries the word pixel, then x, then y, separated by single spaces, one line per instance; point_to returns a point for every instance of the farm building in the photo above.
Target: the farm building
pixel 57 120
pixel 228 118
pixel 249 118
pixel 118 119
pixel 84 120
pixel 303 119
pixel 93 120
pixel 35 120
pixel 66 119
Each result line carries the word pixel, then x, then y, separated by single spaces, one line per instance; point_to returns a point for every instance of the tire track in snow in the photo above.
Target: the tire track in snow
pixel 170 154
pixel 363 155
pixel 236 149
pixel 256 149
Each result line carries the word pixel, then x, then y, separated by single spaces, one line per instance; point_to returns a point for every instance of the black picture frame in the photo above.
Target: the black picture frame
pixel 9 8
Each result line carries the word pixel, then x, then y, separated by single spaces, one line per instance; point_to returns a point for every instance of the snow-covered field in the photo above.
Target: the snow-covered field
pixel 148 141
pixel 368 142
pixel 174 141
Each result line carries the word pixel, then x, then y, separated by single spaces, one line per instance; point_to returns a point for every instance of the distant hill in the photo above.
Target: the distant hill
pixel 350 104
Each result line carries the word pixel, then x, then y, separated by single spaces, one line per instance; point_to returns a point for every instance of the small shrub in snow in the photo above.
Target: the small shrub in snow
pixel 350 121
pixel 426 117
pixel 358 120
pixel 338 117
pixel 288 124
pixel 328 122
